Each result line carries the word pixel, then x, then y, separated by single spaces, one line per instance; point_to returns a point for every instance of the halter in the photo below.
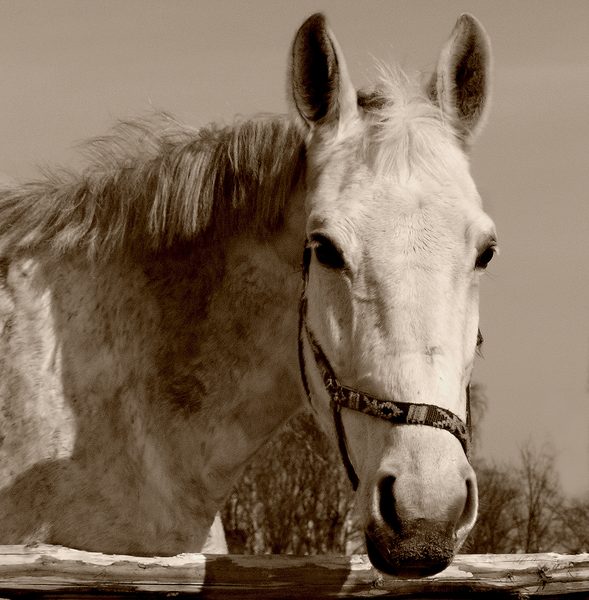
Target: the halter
pixel 341 396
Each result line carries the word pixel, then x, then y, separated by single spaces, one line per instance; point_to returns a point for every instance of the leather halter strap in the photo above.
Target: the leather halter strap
pixel 341 396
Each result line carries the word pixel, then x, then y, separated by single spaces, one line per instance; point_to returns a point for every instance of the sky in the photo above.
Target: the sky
pixel 70 69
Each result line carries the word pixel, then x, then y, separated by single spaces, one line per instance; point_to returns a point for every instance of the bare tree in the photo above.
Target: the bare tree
pixel 293 498
pixel 541 500
pixel 499 494
pixel 519 505
pixel 573 523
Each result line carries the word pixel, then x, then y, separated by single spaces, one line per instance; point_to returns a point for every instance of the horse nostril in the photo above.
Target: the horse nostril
pixel 469 512
pixel 387 504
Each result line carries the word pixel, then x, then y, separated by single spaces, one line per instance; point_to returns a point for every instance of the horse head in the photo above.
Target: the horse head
pixel 396 244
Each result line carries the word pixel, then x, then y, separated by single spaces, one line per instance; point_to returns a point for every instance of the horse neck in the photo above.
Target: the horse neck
pixel 174 371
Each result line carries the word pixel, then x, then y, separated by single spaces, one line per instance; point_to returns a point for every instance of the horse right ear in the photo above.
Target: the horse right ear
pixel 460 85
pixel 322 91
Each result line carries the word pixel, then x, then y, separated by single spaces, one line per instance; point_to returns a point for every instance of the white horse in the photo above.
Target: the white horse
pixel 152 337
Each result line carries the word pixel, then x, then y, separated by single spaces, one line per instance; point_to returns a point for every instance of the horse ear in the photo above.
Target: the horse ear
pixel 460 85
pixel 321 87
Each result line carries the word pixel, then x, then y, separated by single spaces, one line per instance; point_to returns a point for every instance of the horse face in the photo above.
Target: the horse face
pixel 399 241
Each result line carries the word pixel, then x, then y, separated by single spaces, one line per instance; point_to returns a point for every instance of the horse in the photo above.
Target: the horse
pixel 158 325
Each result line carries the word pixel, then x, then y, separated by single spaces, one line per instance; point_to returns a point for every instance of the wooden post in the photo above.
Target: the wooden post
pixel 44 571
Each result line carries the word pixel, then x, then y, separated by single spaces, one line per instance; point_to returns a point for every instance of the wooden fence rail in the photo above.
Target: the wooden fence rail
pixel 44 571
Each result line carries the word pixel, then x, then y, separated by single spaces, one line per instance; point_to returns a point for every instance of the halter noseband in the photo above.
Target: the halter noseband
pixel 341 396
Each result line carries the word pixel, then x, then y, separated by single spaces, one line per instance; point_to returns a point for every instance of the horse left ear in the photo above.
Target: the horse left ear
pixel 321 88
pixel 460 85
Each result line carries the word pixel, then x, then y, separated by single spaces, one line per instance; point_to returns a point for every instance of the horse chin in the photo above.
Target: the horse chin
pixel 420 550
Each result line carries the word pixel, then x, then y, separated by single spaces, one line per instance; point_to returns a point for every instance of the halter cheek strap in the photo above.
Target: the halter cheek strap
pixel 341 396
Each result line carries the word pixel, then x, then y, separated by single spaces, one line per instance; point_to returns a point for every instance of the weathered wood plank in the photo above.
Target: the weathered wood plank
pixel 54 572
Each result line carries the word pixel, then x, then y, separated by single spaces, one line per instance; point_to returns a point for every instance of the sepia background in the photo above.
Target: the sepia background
pixel 71 68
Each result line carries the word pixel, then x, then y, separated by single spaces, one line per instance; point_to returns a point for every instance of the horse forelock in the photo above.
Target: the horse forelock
pixel 405 132
pixel 153 183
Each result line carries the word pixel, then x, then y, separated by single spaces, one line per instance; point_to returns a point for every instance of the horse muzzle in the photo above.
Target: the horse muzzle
pixel 413 549
pixel 413 529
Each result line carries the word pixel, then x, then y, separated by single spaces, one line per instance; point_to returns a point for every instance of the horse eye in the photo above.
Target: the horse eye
pixel 327 253
pixel 485 257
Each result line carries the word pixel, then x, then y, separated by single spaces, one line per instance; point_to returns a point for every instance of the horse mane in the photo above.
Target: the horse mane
pixel 153 183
